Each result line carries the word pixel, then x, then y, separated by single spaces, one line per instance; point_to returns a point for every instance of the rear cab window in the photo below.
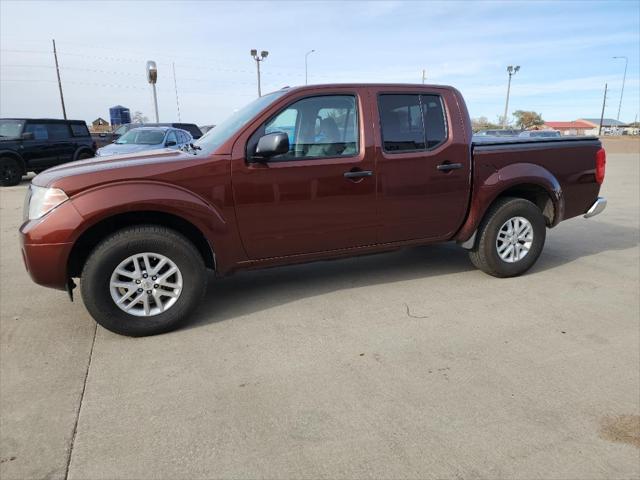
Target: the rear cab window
pixel 411 122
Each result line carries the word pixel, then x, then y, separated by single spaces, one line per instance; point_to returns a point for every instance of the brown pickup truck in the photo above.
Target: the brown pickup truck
pixel 298 175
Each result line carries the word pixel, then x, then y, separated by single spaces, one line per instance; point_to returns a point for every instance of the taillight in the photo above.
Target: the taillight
pixel 601 162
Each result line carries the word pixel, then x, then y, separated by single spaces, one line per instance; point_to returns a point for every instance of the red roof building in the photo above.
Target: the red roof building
pixel 577 127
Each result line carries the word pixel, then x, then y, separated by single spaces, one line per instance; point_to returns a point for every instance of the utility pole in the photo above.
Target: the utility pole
pixel 604 101
pixel 55 56
pixel 258 59
pixel 175 84
pixel 306 70
pixel 511 70
pixel 424 75
pixel 624 77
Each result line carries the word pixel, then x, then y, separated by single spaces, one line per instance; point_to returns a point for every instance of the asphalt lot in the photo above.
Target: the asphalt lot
pixel 403 365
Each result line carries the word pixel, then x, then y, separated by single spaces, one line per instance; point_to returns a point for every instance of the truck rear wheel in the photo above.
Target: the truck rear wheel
pixel 10 172
pixel 143 280
pixel 510 238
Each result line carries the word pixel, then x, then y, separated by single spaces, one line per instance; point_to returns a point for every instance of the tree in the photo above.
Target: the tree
pixel 138 117
pixel 482 123
pixel 527 120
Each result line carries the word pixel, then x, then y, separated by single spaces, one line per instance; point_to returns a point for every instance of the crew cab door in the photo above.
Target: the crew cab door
pixel 423 164
pixel 37 151
pixel 61 141
pixel 320 195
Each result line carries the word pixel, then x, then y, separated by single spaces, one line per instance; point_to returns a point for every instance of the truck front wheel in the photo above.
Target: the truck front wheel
pixel 143 280
pixel 510 238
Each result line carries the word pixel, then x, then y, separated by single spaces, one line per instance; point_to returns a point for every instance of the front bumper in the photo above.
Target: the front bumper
pixel 598 206
pixel 47 243
pixel 47 263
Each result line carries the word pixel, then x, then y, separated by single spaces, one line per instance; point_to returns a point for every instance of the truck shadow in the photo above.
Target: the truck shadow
pixel 251 291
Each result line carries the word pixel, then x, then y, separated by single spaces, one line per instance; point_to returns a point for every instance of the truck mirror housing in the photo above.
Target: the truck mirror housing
pixel 271 144
pixel 170 143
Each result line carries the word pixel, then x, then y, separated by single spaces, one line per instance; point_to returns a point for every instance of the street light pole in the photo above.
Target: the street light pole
pixel 306 70
pixel 258 59
pixel 152 78
pixel 624 77
pixel 511 70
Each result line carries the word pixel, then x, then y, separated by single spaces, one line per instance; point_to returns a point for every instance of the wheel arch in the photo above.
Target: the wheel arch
pixel 92 236
pixel 15 156
pixel 83 149
pixel 520 180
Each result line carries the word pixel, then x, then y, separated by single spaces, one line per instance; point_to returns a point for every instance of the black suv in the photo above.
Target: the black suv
pixel 33 145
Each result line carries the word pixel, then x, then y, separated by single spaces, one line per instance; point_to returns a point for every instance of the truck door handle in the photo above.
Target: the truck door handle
pixel 445 167
pixel 358 173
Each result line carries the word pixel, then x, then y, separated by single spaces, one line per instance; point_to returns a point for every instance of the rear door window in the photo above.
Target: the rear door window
pixel 411 122
pixel 58 131
pixel 39 130
pixel 402 123
pixel 434 121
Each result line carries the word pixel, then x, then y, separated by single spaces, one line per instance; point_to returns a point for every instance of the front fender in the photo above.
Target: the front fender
pixel 490 183
pixel 105 201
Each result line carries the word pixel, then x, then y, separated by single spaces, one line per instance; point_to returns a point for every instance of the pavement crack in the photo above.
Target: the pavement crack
pixel 409 314
pixel 84 387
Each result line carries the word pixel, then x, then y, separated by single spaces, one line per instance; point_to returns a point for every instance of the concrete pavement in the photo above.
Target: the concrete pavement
pixel 403 365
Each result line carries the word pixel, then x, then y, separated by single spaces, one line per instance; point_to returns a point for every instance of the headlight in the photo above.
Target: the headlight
pixel 42 200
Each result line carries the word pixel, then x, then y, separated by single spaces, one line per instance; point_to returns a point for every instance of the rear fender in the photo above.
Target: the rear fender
pixel 490 183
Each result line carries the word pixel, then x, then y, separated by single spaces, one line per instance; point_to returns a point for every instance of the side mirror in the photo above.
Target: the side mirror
pixel 27 136
pixel 272 144
pixel 170 143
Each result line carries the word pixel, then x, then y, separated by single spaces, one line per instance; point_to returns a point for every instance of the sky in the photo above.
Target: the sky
pixel 564 48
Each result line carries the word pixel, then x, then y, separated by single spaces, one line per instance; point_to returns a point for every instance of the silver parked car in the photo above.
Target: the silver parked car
pixel 540 134
pixel 146 138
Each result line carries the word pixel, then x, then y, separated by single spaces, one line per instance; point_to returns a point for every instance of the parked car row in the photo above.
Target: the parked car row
pixel 33 145
pixel 518 133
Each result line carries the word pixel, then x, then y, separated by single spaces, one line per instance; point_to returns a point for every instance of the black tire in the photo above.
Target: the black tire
pixel 10 172
pixel 97 271
pixel 485 253
pixel 84 156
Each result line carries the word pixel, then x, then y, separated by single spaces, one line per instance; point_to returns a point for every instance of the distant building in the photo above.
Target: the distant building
pixel 577 127
pixel 100 125
pixel 588 126
pixel 119 115
pixel 609 126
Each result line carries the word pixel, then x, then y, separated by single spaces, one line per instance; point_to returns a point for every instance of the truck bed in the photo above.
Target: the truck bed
pixel 486 141
pixel 568 163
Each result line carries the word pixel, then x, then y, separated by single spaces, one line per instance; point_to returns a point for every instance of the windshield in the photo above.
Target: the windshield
pixel 224 130
pixel 11 128
pixel 141 137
